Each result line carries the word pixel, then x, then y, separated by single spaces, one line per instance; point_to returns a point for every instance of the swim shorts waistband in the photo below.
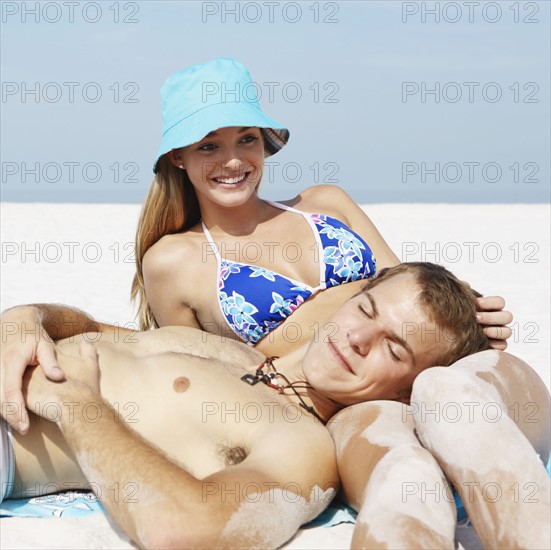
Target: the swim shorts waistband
pixel 7 460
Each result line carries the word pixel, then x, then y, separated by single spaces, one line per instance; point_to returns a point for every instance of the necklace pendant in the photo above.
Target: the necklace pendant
pixel 250 379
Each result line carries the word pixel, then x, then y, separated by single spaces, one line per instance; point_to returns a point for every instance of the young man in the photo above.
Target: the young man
pixel 194 434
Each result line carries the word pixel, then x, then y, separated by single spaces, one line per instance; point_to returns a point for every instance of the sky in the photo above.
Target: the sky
pixel 395 101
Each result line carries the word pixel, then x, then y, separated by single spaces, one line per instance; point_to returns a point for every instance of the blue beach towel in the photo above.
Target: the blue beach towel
pixel 82 504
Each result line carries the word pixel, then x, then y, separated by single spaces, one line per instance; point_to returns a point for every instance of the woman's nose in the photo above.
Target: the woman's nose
pixel 232 160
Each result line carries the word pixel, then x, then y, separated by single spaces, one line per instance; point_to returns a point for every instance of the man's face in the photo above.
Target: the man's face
pixel 375 345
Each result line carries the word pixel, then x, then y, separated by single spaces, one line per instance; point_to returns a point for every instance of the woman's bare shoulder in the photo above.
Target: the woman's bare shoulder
pixel 323 199
pixel 171 250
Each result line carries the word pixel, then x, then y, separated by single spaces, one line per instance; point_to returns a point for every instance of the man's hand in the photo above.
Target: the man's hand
pixel 24 342
pixel 82 373
pixel 493 319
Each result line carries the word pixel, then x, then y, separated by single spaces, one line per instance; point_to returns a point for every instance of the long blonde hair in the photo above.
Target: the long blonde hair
pixel 171 206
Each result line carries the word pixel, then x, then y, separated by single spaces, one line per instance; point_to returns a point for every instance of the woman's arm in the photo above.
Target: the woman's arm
pixel 166 280
pixel 330 197
pixel 494 320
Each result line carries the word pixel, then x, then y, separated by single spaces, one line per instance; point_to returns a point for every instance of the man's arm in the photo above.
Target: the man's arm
pixel 27 339
pixel 58 321
pixel 286 480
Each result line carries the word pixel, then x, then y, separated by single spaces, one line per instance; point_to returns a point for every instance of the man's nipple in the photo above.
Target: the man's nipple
pixel 181 384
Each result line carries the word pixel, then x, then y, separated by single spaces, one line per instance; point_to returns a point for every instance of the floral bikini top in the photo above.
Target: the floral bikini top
pixel 255 300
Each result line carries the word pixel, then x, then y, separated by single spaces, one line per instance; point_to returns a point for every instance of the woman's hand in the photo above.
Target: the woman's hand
pixel 24 342
pixel 493 319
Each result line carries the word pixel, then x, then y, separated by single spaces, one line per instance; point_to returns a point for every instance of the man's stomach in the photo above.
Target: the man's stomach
pixel 195 410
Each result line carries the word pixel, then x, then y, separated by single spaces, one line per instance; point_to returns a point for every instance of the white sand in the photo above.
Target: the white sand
pixel 81 255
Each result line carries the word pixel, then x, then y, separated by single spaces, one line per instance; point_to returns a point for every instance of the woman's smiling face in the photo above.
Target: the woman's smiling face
pixel 226 166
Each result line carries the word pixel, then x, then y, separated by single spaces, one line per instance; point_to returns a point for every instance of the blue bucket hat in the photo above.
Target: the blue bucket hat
pixel 217 94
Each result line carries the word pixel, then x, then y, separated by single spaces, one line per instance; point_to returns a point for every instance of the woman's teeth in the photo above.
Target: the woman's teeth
pixel 236 179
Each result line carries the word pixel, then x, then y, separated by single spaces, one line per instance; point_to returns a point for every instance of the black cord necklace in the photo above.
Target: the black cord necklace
pixel 271 379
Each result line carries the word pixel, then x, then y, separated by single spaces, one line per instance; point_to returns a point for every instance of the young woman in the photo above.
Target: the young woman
pixel 212 254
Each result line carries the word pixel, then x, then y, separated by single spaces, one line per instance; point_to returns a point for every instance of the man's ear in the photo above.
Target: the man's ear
pixel 404 396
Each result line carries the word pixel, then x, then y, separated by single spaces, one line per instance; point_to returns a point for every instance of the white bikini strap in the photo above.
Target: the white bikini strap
pixel 285 207
pixel 213 245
